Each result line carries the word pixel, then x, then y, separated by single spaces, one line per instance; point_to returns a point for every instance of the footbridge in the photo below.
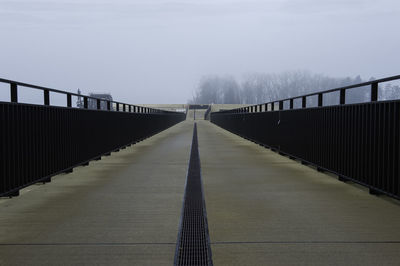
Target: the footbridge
pixel 282 183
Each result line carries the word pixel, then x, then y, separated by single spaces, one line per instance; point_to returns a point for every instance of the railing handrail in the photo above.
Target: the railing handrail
pixel 46 90
pixel 372 83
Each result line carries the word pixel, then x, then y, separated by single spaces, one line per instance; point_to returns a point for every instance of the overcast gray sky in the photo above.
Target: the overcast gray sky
pixel 155 51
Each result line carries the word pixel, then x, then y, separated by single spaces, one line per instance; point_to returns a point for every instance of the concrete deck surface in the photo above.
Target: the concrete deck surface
pixel 265 209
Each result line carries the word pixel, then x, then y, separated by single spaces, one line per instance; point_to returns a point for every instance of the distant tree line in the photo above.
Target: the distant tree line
pixel 259 88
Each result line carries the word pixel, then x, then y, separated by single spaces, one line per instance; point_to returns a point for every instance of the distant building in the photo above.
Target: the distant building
pixel 92 103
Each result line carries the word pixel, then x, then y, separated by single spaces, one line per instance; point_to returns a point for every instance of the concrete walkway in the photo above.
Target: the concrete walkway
pixel 262 208
pixel 265 209
pixel 122 210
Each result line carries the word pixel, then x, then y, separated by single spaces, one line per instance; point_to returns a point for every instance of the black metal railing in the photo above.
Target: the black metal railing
pixel 207 113
pixel 358 142
pixel 119 106
pixel 40 141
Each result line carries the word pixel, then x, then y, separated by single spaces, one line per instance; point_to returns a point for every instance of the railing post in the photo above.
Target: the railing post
pixel 303 102
pixel 374 92
pixel 342 96
pixel 14 92
pixel 123 108
pixel 320 99
pixel 266 107
pixel 130 108
pixel 46 97
pixel 134 109
pixel 291 104
pixel 98 104
pixel 85 102
pixel 281 105
pixel 69 100
pixel 272 106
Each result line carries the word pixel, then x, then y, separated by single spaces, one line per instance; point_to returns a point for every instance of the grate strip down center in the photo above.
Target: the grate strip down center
pixel 193 245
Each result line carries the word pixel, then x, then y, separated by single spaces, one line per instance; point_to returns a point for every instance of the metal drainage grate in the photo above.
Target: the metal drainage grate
pixel 193 246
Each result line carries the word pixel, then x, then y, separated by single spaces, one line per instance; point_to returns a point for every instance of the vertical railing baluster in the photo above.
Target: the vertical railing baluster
pixel 14 92
pixel 343 96
pixel 46 97
pixel 320 99
pixel 374 92
pixel 69 100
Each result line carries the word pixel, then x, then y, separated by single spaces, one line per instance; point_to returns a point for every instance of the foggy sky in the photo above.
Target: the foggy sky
pixel 155 51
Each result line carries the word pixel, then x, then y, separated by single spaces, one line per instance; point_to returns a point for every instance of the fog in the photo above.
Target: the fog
pixel 157 51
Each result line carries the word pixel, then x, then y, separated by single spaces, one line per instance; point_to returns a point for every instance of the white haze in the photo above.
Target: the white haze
pixel 156 51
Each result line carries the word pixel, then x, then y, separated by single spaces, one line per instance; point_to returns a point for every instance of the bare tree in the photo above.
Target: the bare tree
pixel 261 87
pixel 214 89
